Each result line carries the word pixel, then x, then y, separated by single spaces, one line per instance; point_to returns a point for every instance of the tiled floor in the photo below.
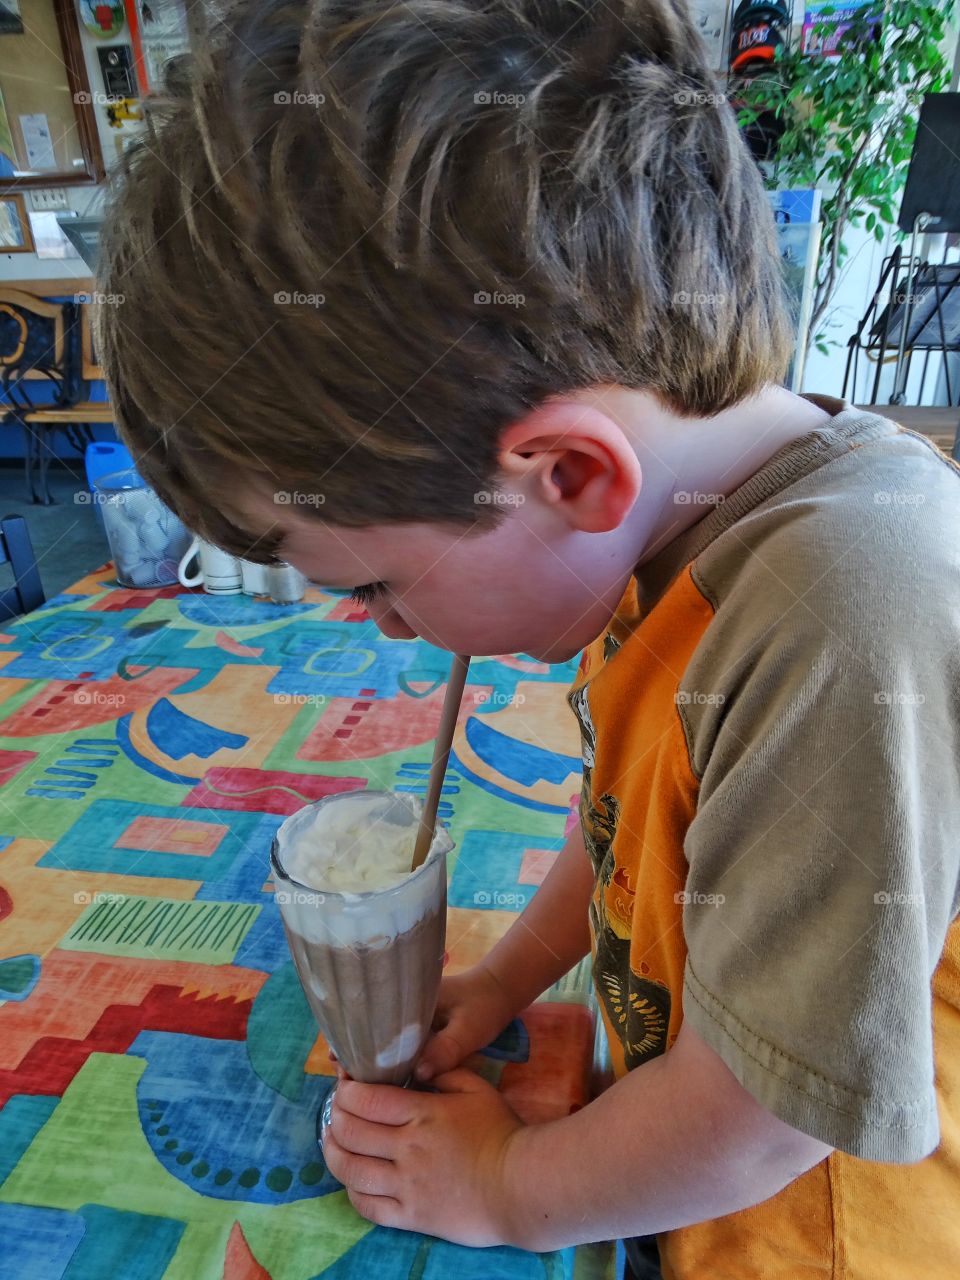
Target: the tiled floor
pixel 67 537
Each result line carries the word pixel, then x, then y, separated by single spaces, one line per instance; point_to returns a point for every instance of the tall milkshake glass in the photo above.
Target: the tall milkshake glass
pixel 369 958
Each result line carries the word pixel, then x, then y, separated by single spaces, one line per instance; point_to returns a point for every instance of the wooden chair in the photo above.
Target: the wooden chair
pixel 52 342
pixel 16 550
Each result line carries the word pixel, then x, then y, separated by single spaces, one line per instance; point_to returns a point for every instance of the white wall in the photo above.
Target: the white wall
pixel 859 279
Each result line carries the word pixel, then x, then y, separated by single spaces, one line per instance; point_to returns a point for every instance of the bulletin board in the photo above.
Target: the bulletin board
pixel 38 125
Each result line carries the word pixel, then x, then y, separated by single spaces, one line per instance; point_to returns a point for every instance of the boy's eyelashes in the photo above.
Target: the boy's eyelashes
pixel 368 593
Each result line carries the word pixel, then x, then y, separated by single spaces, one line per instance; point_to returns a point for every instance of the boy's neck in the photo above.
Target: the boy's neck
pixel 702 459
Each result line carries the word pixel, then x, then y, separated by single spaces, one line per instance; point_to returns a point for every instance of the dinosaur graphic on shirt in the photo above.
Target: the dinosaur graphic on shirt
pixel 637 1008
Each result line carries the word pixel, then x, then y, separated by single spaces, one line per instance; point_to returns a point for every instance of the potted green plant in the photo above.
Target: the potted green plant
pixel 848 122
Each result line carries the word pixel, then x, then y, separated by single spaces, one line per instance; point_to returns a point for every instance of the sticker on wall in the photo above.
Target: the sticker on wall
pixel 101 19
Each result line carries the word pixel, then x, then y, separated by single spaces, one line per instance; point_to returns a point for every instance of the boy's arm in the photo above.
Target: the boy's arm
pixel 674 1142
pixel 540 946
pixel 552 933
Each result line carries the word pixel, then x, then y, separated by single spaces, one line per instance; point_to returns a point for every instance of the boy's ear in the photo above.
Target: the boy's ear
pixel 580 461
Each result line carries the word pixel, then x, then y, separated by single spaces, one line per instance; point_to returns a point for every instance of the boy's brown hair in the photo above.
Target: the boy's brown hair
pixel 359 238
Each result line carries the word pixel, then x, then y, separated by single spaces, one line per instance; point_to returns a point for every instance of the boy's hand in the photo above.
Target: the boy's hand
pixel 428 1162
pixel 472 1009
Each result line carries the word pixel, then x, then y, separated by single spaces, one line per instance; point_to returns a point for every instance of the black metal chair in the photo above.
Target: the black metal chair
pixel 40 342
pixel 16 550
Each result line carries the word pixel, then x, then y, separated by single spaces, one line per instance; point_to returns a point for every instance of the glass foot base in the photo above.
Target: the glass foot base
pixel 323 1117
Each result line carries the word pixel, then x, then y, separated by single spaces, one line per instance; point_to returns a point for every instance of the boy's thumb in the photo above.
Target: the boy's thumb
pixel 443 1052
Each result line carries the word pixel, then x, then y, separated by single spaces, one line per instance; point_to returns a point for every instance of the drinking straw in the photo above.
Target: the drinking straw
pixel 448 720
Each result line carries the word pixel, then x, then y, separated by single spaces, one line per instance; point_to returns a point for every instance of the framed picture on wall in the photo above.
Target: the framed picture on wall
pixel 15 233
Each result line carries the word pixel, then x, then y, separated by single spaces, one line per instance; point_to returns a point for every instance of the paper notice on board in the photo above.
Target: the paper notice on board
pixel 37 142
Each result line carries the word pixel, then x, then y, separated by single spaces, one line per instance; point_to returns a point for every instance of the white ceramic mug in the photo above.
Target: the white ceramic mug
pixel 217 572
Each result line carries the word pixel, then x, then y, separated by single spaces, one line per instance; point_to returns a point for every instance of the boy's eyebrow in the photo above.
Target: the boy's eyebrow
pixel 325 584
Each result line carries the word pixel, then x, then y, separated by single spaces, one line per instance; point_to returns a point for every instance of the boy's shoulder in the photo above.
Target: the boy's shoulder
pixel 834 596
pixel 850 527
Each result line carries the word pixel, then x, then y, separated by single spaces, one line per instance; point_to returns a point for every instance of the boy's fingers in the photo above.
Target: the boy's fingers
pixel 442 1053
pixel 461 1081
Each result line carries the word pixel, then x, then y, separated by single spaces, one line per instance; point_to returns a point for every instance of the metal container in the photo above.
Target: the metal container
pixel 146 539
pixel 284 583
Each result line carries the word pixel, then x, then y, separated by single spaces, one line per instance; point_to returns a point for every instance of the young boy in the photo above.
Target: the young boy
pixel 477 305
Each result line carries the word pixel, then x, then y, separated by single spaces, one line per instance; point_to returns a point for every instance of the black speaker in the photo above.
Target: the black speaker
pixel 933 179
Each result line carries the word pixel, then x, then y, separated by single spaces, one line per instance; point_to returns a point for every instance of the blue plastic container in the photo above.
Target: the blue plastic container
pixel 103 457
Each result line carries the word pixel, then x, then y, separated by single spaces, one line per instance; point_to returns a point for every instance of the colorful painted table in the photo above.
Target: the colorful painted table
pixel 159 1069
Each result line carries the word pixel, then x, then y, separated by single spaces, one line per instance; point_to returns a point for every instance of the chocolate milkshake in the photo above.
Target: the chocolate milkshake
pixel 366 934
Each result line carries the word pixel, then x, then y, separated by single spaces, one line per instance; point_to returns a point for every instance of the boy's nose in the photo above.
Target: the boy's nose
pixel 391 624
